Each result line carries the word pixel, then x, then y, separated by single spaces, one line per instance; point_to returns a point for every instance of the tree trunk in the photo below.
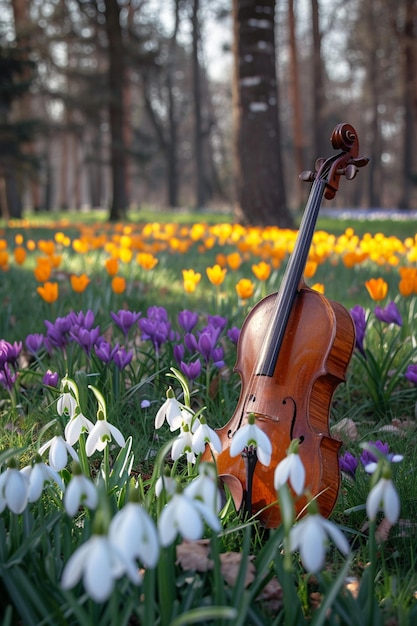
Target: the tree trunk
pixel 409 44
pixel 294 87
pixel 116 57
pixel 320 141
pixel 258 167
pixel 198 135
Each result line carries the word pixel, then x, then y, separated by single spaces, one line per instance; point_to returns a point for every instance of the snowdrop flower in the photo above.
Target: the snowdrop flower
pixel 183 444
pixel 291 469
pixel 100 435
pixel 171 411
pixel 203 435
pixel 310 536
pixel 77 425
pixel 59 450
pixel 81 491
pixel 167 484
pixel 204 487
pixel 38 474
pixel 383 496
pixel 134 533
pixel 184 515
pixel 66 404
pixel 14 488
pixel 99 563
pixel 251 436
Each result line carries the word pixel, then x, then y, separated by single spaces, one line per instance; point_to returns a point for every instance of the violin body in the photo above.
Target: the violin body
pixel 293 351
pixel 312 362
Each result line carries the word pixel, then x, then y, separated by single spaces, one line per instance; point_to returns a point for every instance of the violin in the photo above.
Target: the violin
pixel 293 351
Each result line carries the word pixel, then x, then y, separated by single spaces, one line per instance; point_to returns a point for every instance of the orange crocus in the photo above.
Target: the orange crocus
pixel 4 260
pixel 79 283
pixel 42 271
pixel 216 274
pixel 19 254
pixel 245 288
pixel 377 288
pixel 118 284
pixel 234 260
pixel 112 266
pixel 191 280
pixel 48 292
pixel 262 270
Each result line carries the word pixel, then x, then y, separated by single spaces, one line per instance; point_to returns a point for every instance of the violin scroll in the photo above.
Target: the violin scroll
pixel 347 163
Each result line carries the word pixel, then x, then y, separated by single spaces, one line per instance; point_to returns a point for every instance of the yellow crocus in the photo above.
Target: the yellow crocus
pixel 190 280
pixel 245 288
pixel 216 274
pixel 146 260
pixel 262 270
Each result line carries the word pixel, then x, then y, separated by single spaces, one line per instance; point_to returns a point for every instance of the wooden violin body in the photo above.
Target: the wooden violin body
pixel 293 351
pixel 291 404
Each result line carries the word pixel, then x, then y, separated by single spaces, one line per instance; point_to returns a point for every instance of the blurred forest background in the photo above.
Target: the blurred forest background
pixel 203 103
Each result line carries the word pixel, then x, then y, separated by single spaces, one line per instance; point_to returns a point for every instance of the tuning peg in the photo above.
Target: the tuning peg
pixel 307 176
pixel 351 171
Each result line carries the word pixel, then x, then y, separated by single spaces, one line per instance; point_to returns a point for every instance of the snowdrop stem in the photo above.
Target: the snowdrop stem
pixel 149 596
pixel 166 590
pixel 106 466
pixel 372 570
pixel 82 455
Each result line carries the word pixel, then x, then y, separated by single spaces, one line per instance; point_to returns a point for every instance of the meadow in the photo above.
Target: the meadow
pixel 117 348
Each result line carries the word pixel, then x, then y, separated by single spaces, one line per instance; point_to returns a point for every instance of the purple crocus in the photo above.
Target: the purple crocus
pixel 85 338
pixel 7 377
pixel 81 319
pixel 121 357
pixel 369 457
pixel 156 327
pixel 125 320
pixel 103 350
pixel 187 320
pixel 191 370
pixel 233 334
pixel 50 378
pixel 348 463
pixel 34 343
pixel 9 352
pixel 217 321
pixel 179 352
pixel 359 319
pixel 390 314
pixel 411 373
pixel 57 333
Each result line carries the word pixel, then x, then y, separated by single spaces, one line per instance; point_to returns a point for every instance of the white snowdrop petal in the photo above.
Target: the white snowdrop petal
pixel 374 499
pixel 312 547
pixel 188 520
pixel 391 503
pixel 282 472
pixel 74 567
pixel 239 441
pixel 98 575
pixel 297 474
pixel 336 536
pixel 167 525
pixel 117 435
pixel 16 491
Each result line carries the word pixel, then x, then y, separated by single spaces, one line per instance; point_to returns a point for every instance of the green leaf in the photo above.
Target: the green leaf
pixel 205 613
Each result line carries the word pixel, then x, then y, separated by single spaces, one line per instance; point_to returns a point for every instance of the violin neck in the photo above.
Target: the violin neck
pixel 290 282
